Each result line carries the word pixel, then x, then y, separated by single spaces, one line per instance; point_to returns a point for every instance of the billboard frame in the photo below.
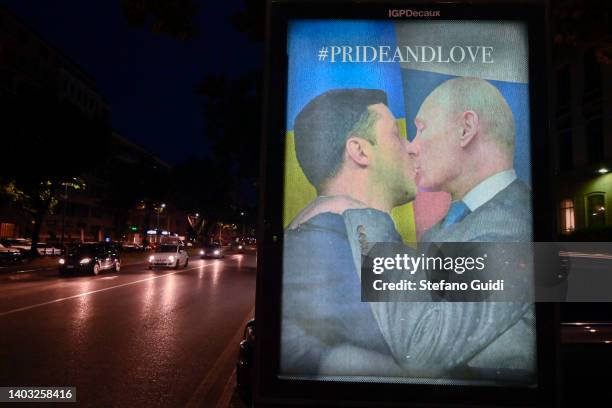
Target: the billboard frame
pixel 269 390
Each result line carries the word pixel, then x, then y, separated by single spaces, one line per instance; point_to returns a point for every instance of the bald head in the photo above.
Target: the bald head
pixel 460 95
pixel 465 133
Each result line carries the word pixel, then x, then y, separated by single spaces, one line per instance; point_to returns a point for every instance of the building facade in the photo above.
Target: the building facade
pixel 582 131
pixel 28 62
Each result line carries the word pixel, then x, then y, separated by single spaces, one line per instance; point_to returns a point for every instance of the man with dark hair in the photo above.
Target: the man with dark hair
pixel 325 124
pixel 350 148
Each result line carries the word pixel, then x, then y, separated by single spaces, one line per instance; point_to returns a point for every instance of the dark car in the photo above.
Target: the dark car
pixel 90 258
pixel 244 366
pixel 131 247
pixel 9 255
pixel 238 247
pixel 212 251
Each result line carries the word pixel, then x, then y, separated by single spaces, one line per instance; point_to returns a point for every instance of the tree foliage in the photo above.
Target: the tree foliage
pixel 583 24
pixel 251 19
pixel 174 18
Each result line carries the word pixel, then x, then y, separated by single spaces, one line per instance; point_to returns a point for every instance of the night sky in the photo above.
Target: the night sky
pixel 147 79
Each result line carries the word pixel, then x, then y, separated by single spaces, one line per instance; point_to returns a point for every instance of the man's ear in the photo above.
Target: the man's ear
pixel 470 123
pixel 357 150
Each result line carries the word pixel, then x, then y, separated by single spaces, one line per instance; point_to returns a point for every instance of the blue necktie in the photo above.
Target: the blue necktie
pixel 457 211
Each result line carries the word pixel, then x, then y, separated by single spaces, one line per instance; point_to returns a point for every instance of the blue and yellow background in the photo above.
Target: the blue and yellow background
pixel 405 88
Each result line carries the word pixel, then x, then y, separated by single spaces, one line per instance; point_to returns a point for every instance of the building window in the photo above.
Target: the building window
pixel 7 230
pixel 568 223
pixel 596 210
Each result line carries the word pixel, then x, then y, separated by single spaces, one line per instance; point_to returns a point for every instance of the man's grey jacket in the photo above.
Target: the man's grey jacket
pixel 506 217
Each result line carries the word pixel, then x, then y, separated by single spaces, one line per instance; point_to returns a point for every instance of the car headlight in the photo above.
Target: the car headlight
pixel 62 261
pixel 171 258
pixel 202 252
pixel 217 252
pixel 85 261
pixel 239 246
pixel 151 258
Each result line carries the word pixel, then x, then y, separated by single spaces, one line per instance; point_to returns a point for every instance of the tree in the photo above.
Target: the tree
pixel 170 17
pixel 251 19
pixel 196 224
pixel 583 24
pixel 38 196
pixel 203 186
pixel 232 114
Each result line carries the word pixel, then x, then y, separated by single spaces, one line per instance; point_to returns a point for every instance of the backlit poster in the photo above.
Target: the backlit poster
pixel 404 133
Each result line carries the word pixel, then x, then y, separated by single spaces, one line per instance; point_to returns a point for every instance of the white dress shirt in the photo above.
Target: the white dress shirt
pixel 488 188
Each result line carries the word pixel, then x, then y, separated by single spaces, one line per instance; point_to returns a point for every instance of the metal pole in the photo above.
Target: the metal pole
pixel 64 213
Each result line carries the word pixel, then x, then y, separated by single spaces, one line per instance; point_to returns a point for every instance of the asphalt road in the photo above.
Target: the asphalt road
pixel 161 338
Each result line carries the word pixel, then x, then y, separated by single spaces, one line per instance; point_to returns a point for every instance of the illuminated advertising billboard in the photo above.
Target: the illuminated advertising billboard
pixel 407 150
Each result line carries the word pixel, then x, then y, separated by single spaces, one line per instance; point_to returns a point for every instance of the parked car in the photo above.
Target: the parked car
pixel 131 247
pixel 90 258
pixel 8 254
pixel 169 255
pixel 244 366
pixel 47 249
pixel 21 244
pixel 211 251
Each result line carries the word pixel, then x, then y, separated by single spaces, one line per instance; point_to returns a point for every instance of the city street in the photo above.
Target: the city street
pixel 164 337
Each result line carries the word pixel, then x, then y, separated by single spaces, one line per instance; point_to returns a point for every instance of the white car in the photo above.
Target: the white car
pixel 47 249
pixel 21 244
pixel 169 255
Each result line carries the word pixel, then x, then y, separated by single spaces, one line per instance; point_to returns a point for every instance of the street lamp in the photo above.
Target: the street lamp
pixel 159 210
pixel 242 214
pixel 72 183
pixel 64 213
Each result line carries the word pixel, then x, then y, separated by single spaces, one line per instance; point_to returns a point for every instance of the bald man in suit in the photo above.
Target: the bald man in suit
pixel 465 146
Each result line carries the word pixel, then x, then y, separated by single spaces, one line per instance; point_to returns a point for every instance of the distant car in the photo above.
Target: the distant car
pixel 238 247
pixel 8 254
pixel 212 251
pixel 169 255
pixel 47 249
pixel 131 247
pixel 90 258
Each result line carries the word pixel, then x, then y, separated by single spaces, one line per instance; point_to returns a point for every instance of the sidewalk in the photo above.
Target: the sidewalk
pixel 236 402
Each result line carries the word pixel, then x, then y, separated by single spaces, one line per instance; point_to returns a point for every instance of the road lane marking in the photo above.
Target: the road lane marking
pixel 228 391
pixel 29 270
pixel 201 393
pixel 21 309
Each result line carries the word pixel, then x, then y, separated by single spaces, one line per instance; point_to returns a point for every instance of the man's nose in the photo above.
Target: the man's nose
pixel 413 147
